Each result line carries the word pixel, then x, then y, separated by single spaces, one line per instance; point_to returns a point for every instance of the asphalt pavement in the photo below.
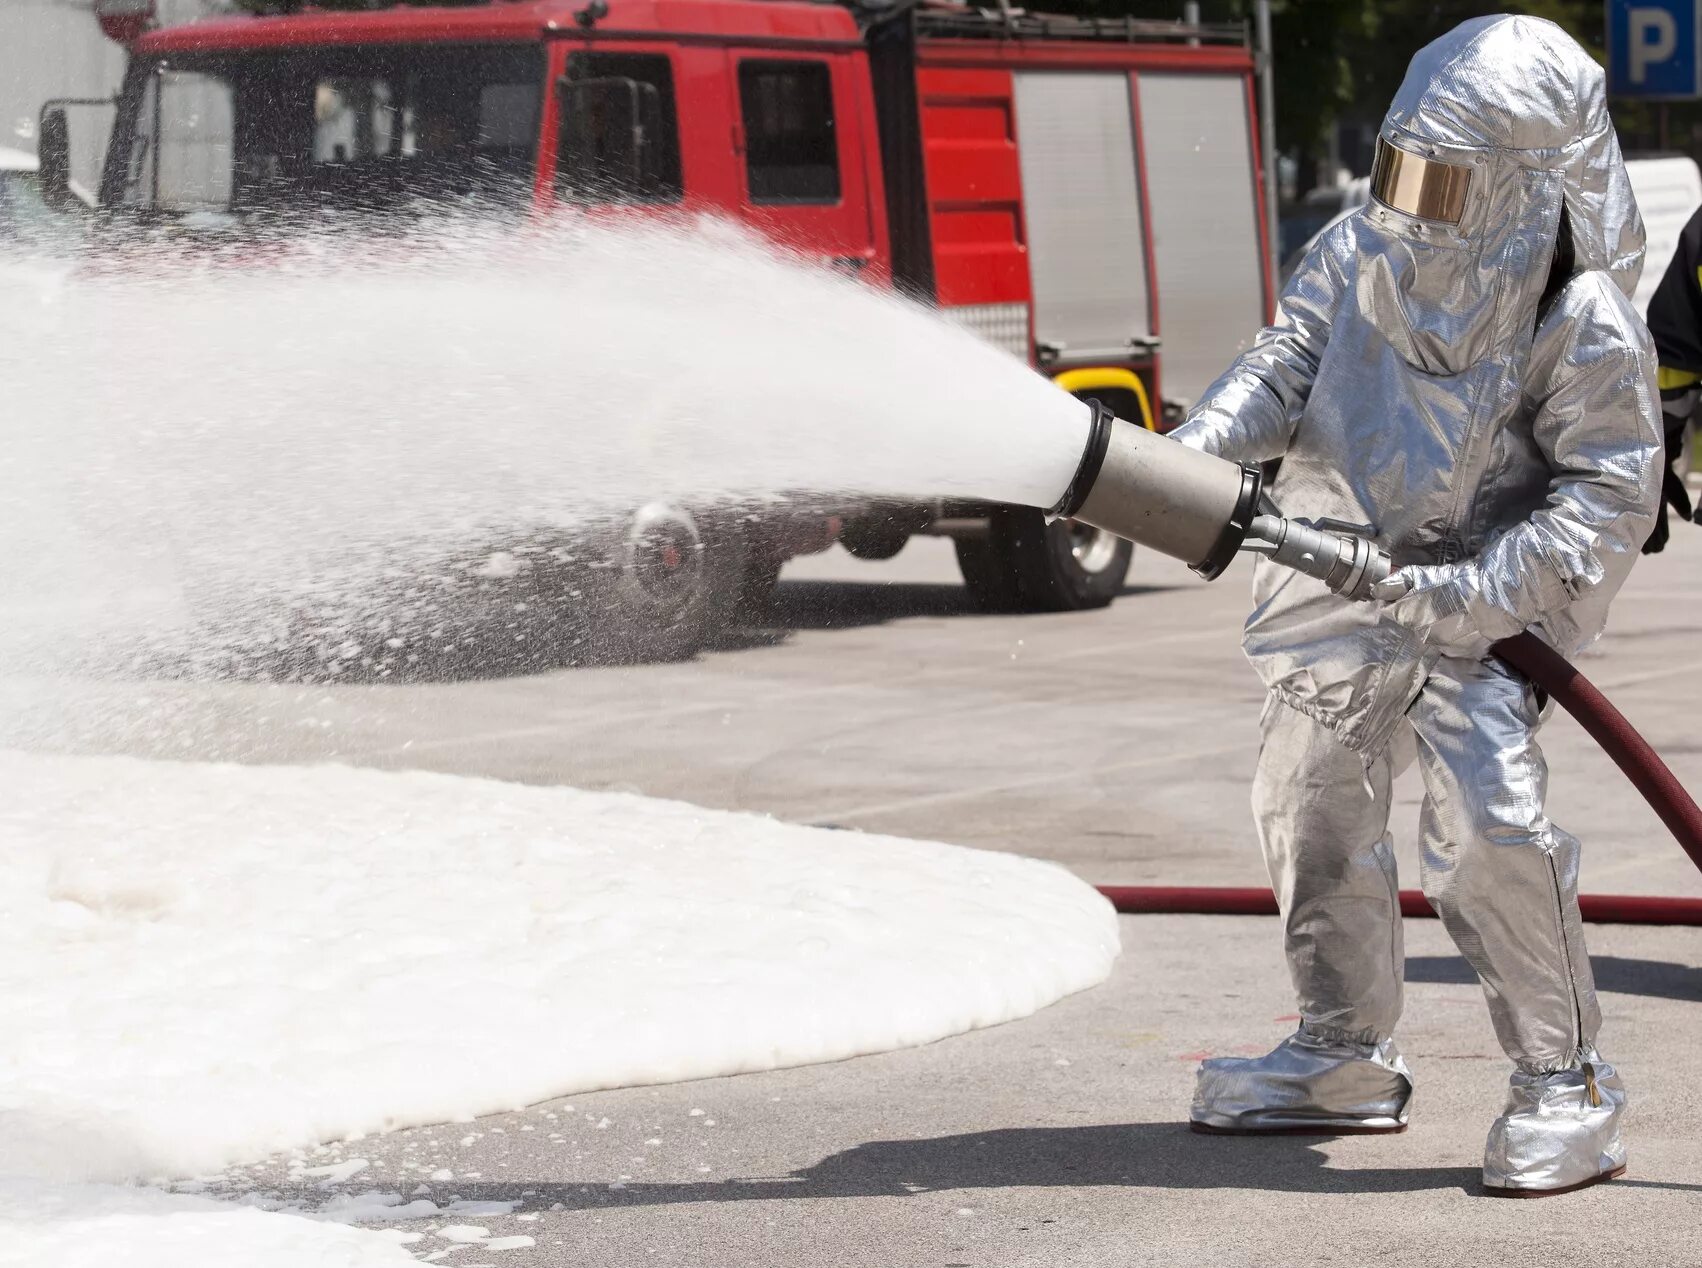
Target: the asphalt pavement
pixel 1119 743
pixel 1060 1140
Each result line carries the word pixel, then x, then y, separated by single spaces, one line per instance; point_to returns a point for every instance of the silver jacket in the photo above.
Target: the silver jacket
pixel 1417 382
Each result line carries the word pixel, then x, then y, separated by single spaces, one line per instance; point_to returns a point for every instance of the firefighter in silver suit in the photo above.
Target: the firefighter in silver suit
pixel 1457 371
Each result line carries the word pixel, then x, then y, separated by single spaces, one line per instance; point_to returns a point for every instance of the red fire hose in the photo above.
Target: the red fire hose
pixel 1605 724
pixel 1222 900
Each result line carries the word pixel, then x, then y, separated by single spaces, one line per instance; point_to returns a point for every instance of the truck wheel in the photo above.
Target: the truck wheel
pixel 1064 566
pixel 758 578
pixel 668 584
pixel 874 540
pixel 987 574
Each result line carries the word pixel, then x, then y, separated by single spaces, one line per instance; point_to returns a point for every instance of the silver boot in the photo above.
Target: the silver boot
pixel 1309 1083
pixel 1559 1132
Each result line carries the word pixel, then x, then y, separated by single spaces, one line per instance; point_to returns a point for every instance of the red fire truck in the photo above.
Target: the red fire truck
pixel 1084 193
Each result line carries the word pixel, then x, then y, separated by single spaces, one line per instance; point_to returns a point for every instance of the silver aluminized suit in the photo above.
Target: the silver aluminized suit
pixel 1486 409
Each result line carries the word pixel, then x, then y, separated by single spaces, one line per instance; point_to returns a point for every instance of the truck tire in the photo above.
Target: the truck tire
pixel 987 575
pixel 1062 566
pixel 758 577
pixel 668 584
pixel 875 539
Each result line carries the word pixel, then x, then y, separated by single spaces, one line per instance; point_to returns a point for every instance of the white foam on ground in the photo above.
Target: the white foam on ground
pixel 212 963
pixel 108 1226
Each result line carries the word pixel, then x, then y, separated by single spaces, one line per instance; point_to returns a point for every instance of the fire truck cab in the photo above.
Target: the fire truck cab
pixel 1084 193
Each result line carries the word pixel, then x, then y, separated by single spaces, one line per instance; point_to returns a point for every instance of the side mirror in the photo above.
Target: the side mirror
pixel 606 135
pixel 53 150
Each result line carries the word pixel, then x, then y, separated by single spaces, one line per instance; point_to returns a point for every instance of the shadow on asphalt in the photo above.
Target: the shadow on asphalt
pixel 1621 975
pixel 516 639
pixel 839 605
pixel 1134 1155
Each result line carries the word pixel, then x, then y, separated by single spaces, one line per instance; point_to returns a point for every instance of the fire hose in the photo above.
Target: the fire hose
pixel 1205 510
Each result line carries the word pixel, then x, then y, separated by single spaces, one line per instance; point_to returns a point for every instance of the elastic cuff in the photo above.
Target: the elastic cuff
pixel 1542 1067
pixel 1338 1035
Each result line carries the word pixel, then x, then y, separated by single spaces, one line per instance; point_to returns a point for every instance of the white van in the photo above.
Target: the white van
pixel 20 198
pixel 1668 190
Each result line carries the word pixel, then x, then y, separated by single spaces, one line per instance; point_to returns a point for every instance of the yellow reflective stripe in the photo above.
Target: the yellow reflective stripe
pixel 1665 378
pixel 1077 382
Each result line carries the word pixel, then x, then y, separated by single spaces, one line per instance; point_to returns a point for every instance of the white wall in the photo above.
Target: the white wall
pixel 53 48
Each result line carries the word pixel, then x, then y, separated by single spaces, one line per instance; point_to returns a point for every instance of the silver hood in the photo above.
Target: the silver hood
pixel 1519 103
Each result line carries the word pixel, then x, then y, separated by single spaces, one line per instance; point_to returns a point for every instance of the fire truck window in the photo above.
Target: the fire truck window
pixel 508 116
pixel 791 155
pixel 359 129
pixel 182 158
pixel 620 135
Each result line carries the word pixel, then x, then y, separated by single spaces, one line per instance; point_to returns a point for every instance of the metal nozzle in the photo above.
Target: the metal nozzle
pixel 1202 509
pixel 1340 557
pixel 1179 501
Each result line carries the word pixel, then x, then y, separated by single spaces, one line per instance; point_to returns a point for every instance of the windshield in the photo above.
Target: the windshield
pixel 366 128
pixel 21 204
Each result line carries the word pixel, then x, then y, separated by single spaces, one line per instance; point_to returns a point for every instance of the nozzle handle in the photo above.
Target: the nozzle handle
pixel 1347 563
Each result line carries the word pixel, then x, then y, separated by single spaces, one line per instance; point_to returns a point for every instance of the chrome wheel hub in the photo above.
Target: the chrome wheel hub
pixel 1093 549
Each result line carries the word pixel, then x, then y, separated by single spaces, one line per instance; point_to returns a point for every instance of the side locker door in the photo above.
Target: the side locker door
pixel 798 144
pixel 1082 203
pixel 1197 139
pixel 974 192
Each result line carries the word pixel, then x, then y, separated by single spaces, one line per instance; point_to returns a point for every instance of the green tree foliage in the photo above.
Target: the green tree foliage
pixel 1315 43
pixel 1344 59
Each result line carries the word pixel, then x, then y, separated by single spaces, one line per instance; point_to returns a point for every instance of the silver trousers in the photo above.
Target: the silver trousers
pixel 1501 876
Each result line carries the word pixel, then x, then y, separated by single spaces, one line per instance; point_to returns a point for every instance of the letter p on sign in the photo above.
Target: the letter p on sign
pixel 1654 38
pixel 1652 48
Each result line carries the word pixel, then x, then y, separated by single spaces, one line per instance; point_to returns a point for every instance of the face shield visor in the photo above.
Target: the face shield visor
pixel 1418 186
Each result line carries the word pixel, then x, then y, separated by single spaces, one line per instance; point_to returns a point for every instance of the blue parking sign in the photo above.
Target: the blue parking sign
pixel 1652 48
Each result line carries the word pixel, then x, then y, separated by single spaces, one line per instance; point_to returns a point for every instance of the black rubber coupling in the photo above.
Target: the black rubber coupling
pixel 1092 459
pixel 1224 550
